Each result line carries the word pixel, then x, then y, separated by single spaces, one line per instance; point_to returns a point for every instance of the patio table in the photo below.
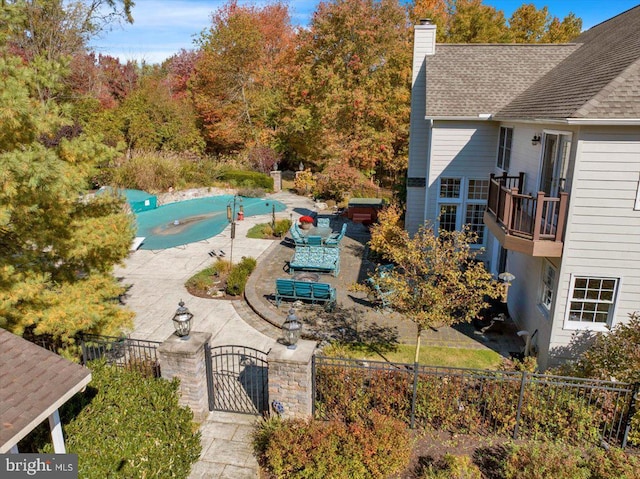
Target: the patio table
pixel 323 231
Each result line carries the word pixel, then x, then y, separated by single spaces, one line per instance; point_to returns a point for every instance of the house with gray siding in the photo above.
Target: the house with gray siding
pixel 537 149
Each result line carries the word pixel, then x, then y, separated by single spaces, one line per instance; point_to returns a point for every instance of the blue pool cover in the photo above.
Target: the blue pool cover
pixel 195 220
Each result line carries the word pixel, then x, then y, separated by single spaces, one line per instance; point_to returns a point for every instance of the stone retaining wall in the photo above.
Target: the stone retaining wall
pixel 191 194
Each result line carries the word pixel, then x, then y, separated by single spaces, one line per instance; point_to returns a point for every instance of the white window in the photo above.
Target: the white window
pixel 450 187
pixel 548 285
pixel 504 148
pixel 463 201
pixel 591 302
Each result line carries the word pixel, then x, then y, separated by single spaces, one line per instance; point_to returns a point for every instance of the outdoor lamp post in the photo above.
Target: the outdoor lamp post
pixel 506 278
pixel 231 217
pixel 291 329
pixel 182 321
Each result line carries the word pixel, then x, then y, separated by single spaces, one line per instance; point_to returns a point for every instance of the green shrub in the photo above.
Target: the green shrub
pixel 201 280
pixel 610 355
pixel 150 172
pixel 238 275
pixel 375 447
pixel 281 227
pixel 260 231
pixel 266 230
pixel 248 179
pixel 452 467
pixel 204 280
pixel 129 425
pixel 538 460
pixel 247 264
pixel 612 464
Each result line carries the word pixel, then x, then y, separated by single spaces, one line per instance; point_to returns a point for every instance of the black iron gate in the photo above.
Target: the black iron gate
pixel 237 379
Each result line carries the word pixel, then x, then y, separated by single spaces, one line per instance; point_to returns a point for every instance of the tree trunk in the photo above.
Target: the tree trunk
pixel 415 360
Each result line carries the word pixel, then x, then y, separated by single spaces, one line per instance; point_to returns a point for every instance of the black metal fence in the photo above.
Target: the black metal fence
pixel 120 351
pixel 518 404
pixel 125 352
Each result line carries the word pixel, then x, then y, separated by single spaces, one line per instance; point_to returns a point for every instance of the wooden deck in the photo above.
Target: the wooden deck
pixel 532 225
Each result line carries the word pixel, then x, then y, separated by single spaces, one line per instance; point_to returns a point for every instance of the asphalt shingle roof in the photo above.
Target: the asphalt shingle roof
pixel 473 79
pixel 599 80
pixel 32 382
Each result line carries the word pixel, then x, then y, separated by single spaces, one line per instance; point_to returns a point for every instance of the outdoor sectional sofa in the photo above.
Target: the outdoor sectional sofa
pixel 315 258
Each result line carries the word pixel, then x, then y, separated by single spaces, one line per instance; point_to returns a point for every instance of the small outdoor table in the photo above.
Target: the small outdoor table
pixel 323 231
pixel 307 276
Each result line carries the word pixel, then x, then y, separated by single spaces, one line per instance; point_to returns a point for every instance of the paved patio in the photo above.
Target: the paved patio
pixel 356 317
pixel 157 279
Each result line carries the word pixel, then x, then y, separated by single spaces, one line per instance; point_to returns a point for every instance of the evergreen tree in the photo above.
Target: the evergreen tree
pixel 58 246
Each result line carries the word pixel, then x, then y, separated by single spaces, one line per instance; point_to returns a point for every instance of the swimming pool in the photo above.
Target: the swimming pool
pixel 177 224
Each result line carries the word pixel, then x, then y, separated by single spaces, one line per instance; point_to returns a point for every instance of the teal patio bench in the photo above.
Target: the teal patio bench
pixel 315 258
pixel 307 291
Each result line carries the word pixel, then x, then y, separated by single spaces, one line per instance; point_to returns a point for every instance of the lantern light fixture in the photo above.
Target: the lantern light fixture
pixel 291 329
pixel 182 321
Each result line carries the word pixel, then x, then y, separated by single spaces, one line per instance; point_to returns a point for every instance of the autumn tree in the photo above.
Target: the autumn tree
pixel 471 21
pixel 562 31
pixel 438 11
pixel 474 22
pixel 150 118
pixel 180 69
pixel 530 25
pixel 353 101
pixel 241 73
pixel 436 279
pixel 58 247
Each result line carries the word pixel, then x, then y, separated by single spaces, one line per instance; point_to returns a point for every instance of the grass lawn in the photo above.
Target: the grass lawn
pixel 260 231
pixel 429 355
pixel 266 230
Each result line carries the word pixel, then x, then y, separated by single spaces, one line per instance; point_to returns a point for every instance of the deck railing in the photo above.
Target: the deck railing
pixel 530 217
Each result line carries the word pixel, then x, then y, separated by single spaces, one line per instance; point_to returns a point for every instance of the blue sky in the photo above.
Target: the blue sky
pixel 163 27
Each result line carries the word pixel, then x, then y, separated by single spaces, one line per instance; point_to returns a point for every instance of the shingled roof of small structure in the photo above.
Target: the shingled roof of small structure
pixel 599 80
pixel 34 383
pixel 467 80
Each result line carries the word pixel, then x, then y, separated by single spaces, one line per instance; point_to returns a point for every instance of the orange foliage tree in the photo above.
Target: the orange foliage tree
pixel 241 75
pixel 354 86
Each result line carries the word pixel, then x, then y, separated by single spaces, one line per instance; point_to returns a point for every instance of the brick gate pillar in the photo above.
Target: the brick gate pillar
pixel 290 381
pixel 185 360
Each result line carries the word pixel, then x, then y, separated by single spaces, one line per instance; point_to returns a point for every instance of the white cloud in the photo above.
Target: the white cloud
pixel 162 28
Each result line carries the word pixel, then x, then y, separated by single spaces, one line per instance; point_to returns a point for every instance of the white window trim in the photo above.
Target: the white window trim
pixel 461 203
pixel 557 133
pixel 554 290
pixel 500 164
pixel 582 326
